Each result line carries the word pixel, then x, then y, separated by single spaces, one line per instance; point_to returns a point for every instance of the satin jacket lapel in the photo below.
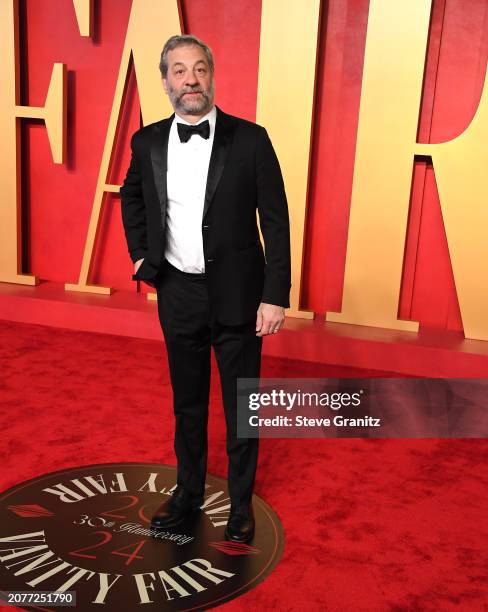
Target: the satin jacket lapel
pixel 159 160
pixel 220 150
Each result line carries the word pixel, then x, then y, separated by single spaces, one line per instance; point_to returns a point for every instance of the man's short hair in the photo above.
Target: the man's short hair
pixel 180 41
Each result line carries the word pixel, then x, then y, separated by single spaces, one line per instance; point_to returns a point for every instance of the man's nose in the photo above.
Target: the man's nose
pixel 191 79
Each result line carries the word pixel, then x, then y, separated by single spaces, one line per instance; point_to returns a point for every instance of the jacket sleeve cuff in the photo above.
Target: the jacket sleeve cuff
pixel 276 296
pixel 138 254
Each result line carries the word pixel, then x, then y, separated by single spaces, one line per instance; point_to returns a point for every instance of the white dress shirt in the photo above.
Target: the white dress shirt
pixel 186 182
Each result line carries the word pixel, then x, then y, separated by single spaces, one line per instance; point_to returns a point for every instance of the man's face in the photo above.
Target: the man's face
pixel 189 81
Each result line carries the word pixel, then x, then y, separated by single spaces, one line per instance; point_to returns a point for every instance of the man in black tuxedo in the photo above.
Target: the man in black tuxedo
pixel 189 205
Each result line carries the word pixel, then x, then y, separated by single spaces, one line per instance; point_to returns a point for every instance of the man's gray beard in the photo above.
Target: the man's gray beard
pixel 196 107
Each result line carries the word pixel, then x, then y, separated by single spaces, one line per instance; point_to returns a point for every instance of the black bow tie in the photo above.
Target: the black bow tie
pixel 185 132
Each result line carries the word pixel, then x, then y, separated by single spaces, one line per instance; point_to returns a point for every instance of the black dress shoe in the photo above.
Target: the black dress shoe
pixel 176 509
pixel 240 527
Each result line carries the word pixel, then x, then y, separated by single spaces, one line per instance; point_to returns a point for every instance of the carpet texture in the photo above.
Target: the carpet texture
pixel 373 525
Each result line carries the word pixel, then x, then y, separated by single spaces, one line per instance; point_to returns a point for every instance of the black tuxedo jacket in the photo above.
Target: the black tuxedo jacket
pixel 243 175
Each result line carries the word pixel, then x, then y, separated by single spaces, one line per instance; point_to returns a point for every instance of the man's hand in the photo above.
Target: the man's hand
pixel 137 265
pixel 269 319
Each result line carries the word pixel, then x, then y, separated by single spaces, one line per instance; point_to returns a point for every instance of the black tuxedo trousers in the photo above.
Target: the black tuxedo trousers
pixel 190 330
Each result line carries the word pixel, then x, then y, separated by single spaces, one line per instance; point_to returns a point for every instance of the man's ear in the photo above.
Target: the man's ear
pixel 165 85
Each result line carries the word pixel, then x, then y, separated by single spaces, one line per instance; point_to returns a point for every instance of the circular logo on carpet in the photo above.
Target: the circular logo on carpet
pixel 82 537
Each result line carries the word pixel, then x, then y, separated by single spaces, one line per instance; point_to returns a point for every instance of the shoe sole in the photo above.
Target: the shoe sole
pixel 177 522
pixel 240 540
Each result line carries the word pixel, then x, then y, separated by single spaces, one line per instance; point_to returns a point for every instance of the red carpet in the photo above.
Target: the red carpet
pixel 394 525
